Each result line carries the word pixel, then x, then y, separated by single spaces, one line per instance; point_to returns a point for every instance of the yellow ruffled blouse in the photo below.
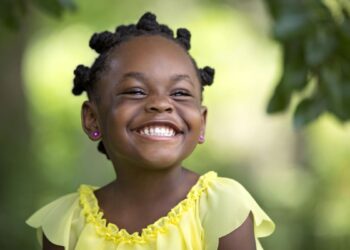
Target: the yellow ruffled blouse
pixel 213 208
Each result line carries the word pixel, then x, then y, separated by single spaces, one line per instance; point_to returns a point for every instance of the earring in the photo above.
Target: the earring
pixel 96 134
pixel 201 139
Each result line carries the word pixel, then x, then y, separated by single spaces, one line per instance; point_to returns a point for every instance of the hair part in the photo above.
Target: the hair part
pixel 85 78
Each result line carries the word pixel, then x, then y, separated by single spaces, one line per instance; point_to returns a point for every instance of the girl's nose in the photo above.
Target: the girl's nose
pixel 158 104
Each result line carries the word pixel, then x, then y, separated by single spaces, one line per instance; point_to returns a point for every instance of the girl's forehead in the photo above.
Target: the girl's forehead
pixel 151 54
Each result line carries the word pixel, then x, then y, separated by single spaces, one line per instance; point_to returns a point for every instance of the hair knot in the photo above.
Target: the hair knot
pixel 148 22
pixel 122 30
pixel 184 37
pixel 166 30
pixel 126 30
pixel 207 75
pixel 101 42
pixel 81 79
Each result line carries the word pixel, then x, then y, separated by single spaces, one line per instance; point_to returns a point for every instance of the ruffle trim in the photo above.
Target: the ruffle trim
pixel 110 231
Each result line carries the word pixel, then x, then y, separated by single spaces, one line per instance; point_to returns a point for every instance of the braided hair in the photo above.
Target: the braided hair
pixel 103 43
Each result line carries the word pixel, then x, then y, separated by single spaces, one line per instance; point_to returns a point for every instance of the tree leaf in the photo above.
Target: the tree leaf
pixel 291 25
pixel 320 46
pixel 330 83
pixel 68 4
pixel 308 110
pixel 295 70
pixel 295 77
pixel 344 37
pixel 280 99
pixel 51 7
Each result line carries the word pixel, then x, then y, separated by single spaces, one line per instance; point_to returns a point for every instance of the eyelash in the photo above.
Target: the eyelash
pixel 181 93
pixel 141 92
pixel 134 92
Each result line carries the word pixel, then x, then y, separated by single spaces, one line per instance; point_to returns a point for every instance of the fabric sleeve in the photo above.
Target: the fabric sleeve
pixel 58 220
pixel 225 207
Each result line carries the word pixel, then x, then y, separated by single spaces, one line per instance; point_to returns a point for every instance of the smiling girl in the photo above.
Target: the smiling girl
pixel 145 108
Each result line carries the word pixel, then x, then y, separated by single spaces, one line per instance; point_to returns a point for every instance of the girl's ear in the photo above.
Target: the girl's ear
pixel 204 112
pixel 89 120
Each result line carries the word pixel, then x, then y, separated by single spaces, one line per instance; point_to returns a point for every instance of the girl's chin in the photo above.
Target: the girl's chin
pixel 160 163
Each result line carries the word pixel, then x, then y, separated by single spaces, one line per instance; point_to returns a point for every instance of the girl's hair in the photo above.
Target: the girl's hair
pixel 103 43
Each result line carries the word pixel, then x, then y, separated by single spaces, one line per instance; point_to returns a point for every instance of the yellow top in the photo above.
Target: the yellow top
pixel 214 207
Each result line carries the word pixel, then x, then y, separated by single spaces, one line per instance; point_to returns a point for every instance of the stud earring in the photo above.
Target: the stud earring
pixel 201 139
pixel 96 134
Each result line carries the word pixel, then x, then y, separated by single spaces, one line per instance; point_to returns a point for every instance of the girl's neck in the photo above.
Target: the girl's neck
pixel 138 199
pixel 144 185
pixel 148 183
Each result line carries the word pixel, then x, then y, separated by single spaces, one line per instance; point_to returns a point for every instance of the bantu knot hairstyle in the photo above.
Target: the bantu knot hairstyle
pixel 103 43
pixel 81 79
pixel 207 75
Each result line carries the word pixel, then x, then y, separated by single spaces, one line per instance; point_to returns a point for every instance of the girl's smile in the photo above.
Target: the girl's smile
pixel 149 104
pixel 158 130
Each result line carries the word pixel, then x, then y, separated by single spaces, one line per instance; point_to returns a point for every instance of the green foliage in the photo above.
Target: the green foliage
pixel 315 46
pixel 13 11
pixel 54 7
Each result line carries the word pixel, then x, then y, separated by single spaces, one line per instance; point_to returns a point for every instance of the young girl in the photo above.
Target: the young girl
pixel 144 107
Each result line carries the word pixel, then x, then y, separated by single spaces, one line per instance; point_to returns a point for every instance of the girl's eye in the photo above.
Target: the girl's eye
pixel 134 92
pixel 181 92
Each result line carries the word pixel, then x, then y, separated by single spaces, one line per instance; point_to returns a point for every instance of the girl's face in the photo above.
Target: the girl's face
pixel 149 107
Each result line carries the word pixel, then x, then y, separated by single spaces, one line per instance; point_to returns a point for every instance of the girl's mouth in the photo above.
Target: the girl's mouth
pixel 154 130
pixel 158 129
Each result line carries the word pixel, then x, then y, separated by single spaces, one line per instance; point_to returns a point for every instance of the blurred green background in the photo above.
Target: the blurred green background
pixel 300 177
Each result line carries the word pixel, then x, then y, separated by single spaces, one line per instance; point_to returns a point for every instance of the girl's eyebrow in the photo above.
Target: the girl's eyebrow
pixel 180 77
pixel 135 75
pixel 142 78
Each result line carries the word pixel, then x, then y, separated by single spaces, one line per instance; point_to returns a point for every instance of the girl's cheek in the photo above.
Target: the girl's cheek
pixel 192 107
pixel 192 103
pixel 191 114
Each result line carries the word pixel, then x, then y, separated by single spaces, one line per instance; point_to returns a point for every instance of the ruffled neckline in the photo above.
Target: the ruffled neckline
pixel 110 231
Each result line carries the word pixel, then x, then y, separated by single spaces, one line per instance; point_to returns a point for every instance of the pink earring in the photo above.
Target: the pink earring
pixel 96 134
pixel 201 139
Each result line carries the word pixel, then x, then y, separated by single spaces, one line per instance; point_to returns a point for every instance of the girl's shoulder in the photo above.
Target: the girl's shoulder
pixel 56 219
pixel 226 204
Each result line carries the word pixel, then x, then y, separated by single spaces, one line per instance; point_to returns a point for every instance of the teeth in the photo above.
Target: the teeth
pixel 157 131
